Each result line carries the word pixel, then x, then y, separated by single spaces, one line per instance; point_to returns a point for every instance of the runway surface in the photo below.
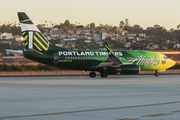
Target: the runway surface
pixel 142 97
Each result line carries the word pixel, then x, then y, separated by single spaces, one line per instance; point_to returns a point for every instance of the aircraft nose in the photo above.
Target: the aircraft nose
pixel 171 63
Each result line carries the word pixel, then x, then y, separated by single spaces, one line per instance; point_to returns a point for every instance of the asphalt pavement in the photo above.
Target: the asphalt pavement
pixel 118 97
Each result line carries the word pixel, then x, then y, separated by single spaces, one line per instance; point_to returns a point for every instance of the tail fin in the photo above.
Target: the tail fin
pixel 33 38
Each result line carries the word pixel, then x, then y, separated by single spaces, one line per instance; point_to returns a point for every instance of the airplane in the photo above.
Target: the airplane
pixel 109 61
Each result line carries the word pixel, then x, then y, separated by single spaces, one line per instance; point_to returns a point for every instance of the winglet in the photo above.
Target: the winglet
pixel 112 57
pixel 109 49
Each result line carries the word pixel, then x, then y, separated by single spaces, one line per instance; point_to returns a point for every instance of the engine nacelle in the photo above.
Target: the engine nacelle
pixel 129 69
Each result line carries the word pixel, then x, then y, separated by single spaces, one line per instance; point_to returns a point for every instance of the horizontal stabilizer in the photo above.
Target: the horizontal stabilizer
pixel 15 51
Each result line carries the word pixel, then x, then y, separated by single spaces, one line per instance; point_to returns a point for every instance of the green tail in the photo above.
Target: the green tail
pixel 33 38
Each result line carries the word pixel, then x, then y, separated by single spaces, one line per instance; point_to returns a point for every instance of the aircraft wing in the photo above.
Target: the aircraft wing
pixel 14 51
pixel 112 60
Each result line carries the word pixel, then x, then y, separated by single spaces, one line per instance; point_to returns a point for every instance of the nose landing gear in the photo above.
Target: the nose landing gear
pixel 156 73
pixel 93 74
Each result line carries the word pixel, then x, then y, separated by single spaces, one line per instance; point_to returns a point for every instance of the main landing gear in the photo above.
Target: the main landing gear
pixel 92 74
pixel 103 74
pixel 156 73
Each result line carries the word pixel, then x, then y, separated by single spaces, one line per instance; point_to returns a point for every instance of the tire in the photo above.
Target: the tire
pixel 104 74
pixel 156 74
pixel 92 74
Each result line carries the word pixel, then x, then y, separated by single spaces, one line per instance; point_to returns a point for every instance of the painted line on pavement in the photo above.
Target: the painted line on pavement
pixel 156 115
pixel 129 119
pixel 92 110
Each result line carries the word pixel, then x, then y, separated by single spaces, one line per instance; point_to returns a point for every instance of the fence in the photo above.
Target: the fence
pixel 67 72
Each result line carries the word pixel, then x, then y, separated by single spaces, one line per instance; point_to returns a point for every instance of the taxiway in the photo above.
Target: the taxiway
pixel 142 97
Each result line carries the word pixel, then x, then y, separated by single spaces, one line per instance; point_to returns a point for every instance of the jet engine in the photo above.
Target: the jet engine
pixel 129 69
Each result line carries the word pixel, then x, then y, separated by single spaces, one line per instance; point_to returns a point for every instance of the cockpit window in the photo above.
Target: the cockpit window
pixel 165 57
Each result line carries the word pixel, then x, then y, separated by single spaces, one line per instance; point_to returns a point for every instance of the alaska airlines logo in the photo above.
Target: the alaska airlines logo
pixel 84 53
pixel 145 61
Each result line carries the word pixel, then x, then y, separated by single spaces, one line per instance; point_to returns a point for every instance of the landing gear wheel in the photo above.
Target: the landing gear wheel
pixel 92 74
pixel 104 74
pixel 156 74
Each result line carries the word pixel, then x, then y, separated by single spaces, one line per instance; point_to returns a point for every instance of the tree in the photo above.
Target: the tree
pixel 92 26
pixel 67 23
pixel 121 24
pixel 163 43
pixel 154 39
pixel 137 29
pixel 178 26
pixel 126 22
pixel 127 27
pixel 41 27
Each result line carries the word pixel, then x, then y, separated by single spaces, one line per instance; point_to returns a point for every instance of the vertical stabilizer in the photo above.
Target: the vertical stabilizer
pixel 33 38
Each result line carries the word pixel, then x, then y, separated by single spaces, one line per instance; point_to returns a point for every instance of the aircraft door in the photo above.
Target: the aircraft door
pixel 56 58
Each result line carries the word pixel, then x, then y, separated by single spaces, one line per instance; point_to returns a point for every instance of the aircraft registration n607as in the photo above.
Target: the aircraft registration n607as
pixel 105 62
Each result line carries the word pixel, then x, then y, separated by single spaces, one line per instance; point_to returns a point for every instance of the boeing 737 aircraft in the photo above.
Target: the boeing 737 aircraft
pixel 105 62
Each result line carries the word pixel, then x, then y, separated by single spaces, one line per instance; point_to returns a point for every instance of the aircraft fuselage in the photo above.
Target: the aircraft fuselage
pixel 89 59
